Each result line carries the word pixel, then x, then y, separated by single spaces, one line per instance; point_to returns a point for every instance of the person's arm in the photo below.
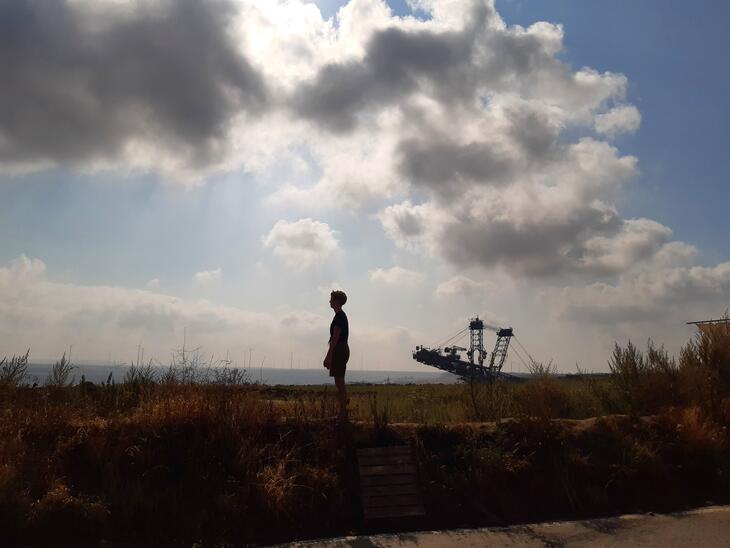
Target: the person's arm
pixel 334 339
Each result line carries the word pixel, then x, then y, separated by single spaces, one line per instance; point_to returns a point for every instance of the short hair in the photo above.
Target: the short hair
pixel 339 296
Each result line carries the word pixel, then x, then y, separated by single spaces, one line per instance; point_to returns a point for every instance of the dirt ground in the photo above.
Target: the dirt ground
pixel 706 527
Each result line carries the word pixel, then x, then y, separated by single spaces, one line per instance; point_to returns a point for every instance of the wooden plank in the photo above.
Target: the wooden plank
pixel 389 482
pixel 394 512
pixel 397 479
pixel 390 490
pixel 392 450
pixel 384 459
pixel 387 470
pixel 398 500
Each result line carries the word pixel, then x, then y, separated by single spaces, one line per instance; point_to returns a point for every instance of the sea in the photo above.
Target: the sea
pixel 37 372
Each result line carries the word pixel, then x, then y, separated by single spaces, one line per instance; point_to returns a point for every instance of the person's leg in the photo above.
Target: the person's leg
pixel 342 393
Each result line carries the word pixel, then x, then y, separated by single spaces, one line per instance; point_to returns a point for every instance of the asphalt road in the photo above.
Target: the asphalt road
pixel 705 528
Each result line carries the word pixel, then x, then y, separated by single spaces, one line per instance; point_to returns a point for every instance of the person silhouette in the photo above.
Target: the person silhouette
pixel 339 352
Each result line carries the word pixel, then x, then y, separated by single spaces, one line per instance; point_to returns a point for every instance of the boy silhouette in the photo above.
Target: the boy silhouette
pixel 338 352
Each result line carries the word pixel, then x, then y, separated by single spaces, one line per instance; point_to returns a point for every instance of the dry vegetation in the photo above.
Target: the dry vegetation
pixel 163 460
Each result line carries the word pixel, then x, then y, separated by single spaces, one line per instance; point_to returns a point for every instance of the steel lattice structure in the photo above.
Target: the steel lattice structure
pixel 449 359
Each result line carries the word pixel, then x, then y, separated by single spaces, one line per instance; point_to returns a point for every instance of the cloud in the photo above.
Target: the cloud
pixel 21 271
pixel 502 187
pixel 413 227
pixel 636 241
pixel 325 290
pixel 462 286
pixel 59 308
pixel 301 243
pixel 473 140
pixel 305 322
pixel 382 103
pixel 470 113
pixel 350 171
pixel 87 83
pixel 100 321
pixel 207 277
pixel 395 62
pixel 396 276
pixel 661 295
pixel 554 222
pixel 154 283
pixel 453 60
pixel 623 119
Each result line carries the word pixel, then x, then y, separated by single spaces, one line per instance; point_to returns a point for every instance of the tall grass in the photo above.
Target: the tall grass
pixel 149 461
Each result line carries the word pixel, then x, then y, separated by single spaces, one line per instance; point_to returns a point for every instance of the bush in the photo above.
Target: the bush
pixel 13 372
pixel 60 517
pixel 58 376
pixel 140 375
pixel 229 376
pixel 705 361
pixel 646 383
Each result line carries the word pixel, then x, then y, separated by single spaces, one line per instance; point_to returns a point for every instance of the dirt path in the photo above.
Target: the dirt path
pixel 706 527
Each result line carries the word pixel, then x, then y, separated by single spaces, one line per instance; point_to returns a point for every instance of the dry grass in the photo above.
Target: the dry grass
pixel 156 462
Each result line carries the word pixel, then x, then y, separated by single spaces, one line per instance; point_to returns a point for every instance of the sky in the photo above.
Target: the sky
pixel 214 168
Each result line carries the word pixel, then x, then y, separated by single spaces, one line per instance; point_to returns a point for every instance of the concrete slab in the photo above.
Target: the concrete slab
pixel 706 527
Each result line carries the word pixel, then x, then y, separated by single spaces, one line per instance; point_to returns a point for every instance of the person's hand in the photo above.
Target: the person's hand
pixel 327 361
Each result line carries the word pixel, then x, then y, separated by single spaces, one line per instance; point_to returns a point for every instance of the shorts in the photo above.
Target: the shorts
pixel 340 355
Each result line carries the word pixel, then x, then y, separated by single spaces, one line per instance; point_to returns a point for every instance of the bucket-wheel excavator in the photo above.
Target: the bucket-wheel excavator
pixel 481 364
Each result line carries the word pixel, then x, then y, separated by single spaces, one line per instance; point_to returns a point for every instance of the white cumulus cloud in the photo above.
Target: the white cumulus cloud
pixel 623 119
pixel 396 276
pixel 207 277
pixel 303 243
pixel 154 283
pixel 462 286
pixel 46 316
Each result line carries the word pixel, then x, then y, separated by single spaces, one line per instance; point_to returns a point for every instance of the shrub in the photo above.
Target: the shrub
pixel 13 372
pixel 230 376
pixel 646 383
pixel 140 375
pixel 705 361
pixel 60 517
pixel 58 376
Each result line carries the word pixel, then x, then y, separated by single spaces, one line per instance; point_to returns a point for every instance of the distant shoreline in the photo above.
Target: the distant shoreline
pixel 273 376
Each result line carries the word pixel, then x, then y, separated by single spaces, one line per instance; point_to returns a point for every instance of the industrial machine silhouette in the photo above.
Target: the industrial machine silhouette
pixel 450 360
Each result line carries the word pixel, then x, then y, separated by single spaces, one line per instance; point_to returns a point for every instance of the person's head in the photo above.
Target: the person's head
pixel 337 299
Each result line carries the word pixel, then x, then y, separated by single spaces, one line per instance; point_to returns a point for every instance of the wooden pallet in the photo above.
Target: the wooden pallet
pixel 389 482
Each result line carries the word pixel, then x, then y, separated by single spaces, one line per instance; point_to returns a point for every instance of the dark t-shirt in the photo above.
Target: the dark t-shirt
pixel 340 320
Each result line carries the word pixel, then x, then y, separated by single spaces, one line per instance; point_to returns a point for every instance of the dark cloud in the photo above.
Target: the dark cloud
pixel 542 247
pixel 511 53
pixel 527 140
pixel 443 165
pixel 449 66
pixel 76 85
pixel 396 63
